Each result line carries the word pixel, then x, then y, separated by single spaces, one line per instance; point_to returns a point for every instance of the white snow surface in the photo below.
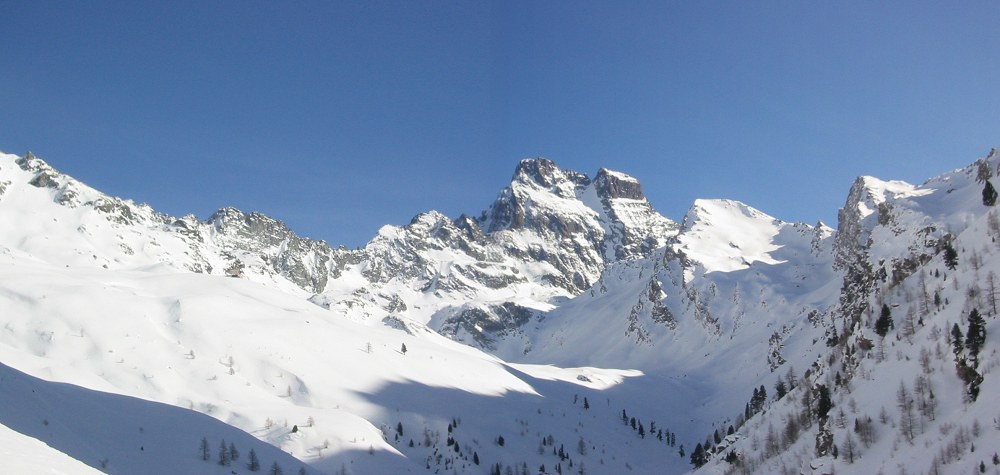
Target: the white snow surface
pixel 106 311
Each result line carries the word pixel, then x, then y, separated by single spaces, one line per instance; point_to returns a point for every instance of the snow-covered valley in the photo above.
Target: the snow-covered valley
pixel 569 328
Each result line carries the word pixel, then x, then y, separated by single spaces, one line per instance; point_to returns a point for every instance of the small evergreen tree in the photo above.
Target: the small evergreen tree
pixel 780 389
pixel 402 349
pixel 253 464
pixel 586 403
pixel 956 340
pixel 989 195
pixel 276 469
pixel 950 256
pixel 234 454
pixel 698 456
pixel 824 404
pixel 204 450
pixel 884 322
pixel 223 454
pixel 976 336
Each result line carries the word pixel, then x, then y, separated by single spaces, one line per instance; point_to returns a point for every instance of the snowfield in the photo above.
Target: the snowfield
pixel 569 328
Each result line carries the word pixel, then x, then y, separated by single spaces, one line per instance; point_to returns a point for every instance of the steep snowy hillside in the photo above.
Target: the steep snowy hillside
pixel 340 395
pixel 119 434
pixel 902 386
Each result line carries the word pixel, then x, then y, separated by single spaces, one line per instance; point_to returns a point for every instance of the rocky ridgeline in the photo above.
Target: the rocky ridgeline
pixel 549 234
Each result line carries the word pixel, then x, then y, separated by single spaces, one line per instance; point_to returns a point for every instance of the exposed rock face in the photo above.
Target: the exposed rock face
pixel 611 185
pixel 548 235
pixel 483 326
pixel 303 261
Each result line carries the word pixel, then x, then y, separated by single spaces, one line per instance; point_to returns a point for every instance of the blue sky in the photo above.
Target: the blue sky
pixel 338 117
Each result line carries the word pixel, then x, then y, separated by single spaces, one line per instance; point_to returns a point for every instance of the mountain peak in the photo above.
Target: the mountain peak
pixel 611 184
pixel 546 173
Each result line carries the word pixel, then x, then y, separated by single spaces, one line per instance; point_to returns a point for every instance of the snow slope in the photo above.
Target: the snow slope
pixel 590 304
pixel 114 434
pixel 899 404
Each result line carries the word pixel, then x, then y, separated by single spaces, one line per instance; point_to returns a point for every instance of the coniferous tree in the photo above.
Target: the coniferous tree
pixel 698 456
pixel 976 336
pixel 204 450
pixel 956 340
pixel 253 464
pixel 276 469
pixel 950 256
pixel 234 454
pixel 780 389
pixel 989 195
pixel 884 322
pixel 223 454
pixel 824 403
pixel 586 403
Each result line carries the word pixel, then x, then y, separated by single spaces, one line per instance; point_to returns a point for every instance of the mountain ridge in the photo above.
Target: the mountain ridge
pixel 633 309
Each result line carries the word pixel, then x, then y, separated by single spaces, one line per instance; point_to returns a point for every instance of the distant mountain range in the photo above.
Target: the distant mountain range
pixel 567 328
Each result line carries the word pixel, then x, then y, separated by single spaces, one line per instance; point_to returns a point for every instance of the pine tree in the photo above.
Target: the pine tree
pixel 976 336
pixel 276 469
pixel 204 450
pixel 780 389
pixel 586 403
pixel 223 454
pixel 825 404
pixel 950 256
pixel 234 454
pixel 884 321
pixel 989 195
pixel 402 349
pixel 956 340
pixel 698 456
pixel 253 464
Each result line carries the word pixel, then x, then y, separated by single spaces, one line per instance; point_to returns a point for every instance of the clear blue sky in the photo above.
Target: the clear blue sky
pixel 337 117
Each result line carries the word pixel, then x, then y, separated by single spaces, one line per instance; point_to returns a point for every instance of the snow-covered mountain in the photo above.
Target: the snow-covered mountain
pixel 567 328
